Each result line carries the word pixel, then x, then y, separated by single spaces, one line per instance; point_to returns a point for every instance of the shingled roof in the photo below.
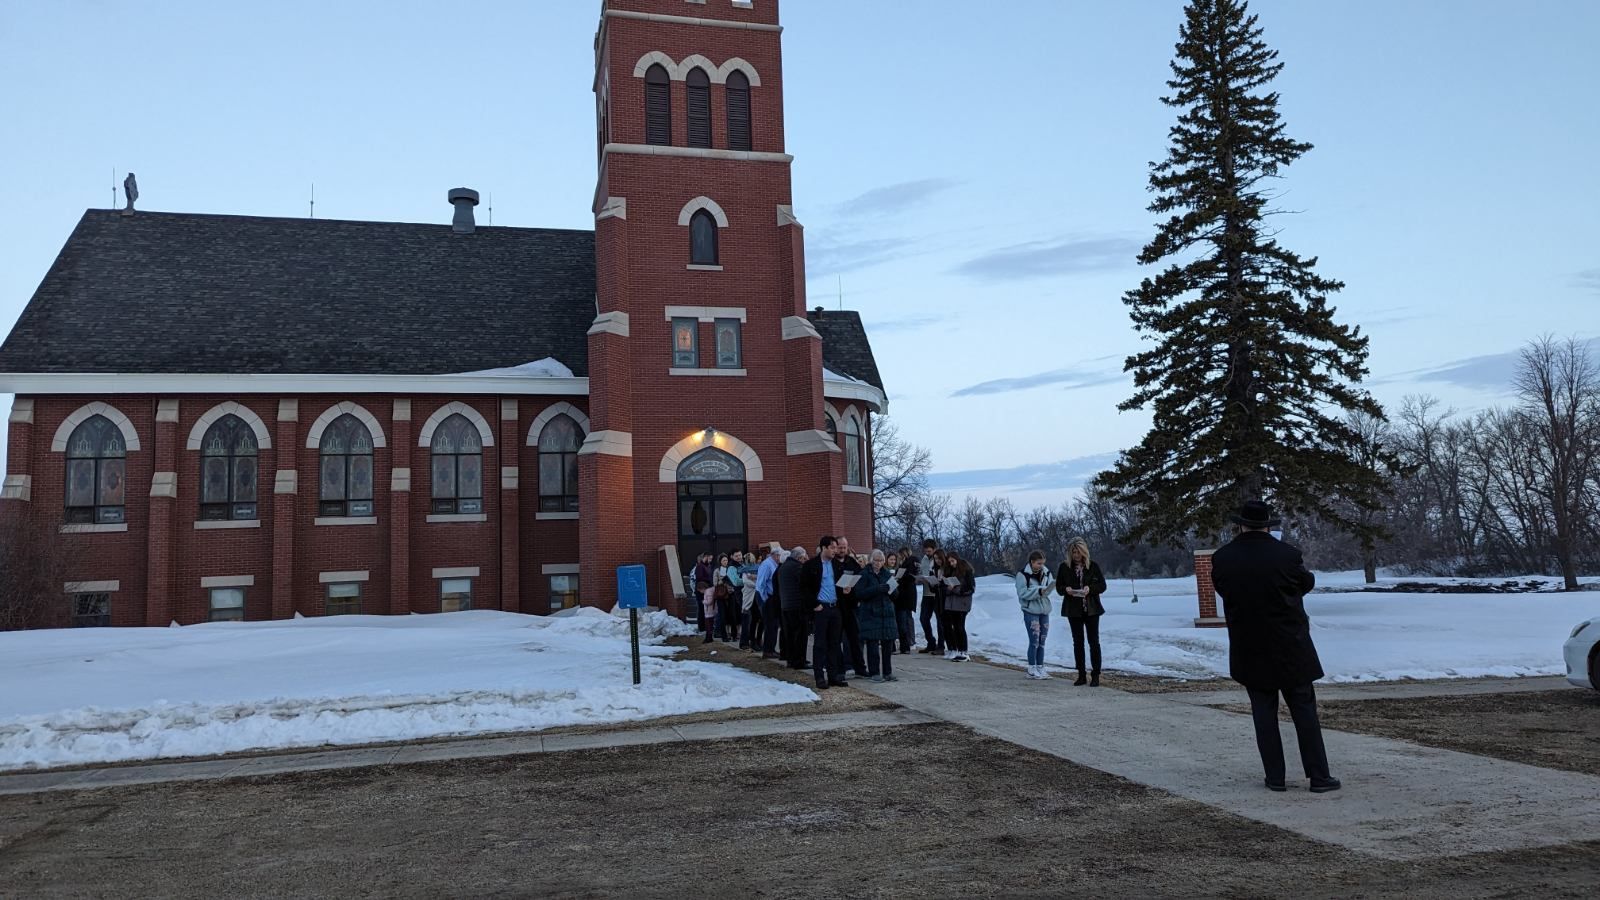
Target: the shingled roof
pixel 191 293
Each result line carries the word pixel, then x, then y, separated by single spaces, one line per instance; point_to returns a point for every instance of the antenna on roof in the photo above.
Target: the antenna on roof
pixel 313 213
pixel 841 292
pixel 113 187
pixel 491 208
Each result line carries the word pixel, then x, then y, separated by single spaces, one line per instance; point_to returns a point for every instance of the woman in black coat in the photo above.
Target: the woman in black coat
pixel 905 597
pixel 1080 583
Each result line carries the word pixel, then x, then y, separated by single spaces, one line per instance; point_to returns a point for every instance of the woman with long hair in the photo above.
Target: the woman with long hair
pixel 960 585
pixel 1033 593
pixel 727 609
pixel 905 597
pixel 1080 583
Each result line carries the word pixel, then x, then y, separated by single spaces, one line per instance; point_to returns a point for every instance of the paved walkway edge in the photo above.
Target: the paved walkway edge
pixel 510 745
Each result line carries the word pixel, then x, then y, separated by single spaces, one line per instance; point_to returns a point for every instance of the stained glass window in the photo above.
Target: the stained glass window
pixel 457 467
pixel 729 351
pixel 228 470
pixel 97 473
pixel 685 343
pixel 558 465
pixel 853 457
pixel 346 483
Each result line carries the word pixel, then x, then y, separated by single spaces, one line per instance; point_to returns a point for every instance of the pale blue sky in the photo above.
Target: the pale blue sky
pixel 974 174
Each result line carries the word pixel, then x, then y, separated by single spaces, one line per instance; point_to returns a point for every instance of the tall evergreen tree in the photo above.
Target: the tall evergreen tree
pixel 1250 377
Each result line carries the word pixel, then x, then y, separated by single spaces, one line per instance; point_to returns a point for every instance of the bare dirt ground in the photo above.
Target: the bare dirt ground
pixel 927 811
pixel 1555 729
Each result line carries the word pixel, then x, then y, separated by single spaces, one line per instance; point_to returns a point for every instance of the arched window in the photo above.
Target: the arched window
pixel 703 239
pixel 657 106
pixel 853 469
pixel 97 473
pixel 457 467
pixel 558 465
pixel 346 469
pixel 228 470
pixel 833 426
pixel 698 94
pixel 738 90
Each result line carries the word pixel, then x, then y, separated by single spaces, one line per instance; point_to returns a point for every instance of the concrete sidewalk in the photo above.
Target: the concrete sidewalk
pixel 510 745
pixel 1400 801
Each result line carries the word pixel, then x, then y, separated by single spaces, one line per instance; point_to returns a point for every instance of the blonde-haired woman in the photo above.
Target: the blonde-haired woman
pixel 1080 584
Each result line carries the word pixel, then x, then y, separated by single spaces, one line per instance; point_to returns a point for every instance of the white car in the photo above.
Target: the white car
pixel 1583 655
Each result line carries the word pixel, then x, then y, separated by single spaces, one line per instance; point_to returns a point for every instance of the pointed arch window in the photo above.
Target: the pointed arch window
pixel 854 471
pixel 697 93
pixel 228 470
pixel 346 483
pixel 703 249
pixel 738 102
pixel 657 106
pixel 97 473
pixel 558 465
pixel 457 467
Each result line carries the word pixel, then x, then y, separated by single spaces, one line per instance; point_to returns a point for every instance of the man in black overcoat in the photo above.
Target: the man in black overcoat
pixel 1263 582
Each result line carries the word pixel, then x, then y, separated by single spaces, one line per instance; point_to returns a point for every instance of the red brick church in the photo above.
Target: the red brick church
pixel 242 417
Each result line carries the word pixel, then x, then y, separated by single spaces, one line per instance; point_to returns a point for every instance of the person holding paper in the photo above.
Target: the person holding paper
pixel 1080 584
pixel 853 655
pixel 875 616
pixel 928 579
pixel 960 585
pixel 795 607
pixel 905 597
pixel 1033 593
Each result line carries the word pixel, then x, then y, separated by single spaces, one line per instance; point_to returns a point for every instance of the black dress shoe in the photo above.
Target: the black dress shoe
pixel 822 685
pixel 1323 787
pixel 840 683
pixel 1278 786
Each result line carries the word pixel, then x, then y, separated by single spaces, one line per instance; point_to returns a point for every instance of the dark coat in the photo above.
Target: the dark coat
pixel 811 582
pixel 905 595
pixel 790 593
pixel 875 607
pixel 959 599
pixel 1263 582
pixel 1093 579
pixel 702 576
pixel 847 602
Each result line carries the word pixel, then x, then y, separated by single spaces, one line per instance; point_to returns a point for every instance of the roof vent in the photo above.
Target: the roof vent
pixel 463 199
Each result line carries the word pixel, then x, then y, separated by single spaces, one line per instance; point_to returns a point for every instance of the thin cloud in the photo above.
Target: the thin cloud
pixel 1067 473
pixel 1490 372
pixel 895 198
pixel 1043 259
pixel 832 256
pixel 1588 279
pixel 1070 379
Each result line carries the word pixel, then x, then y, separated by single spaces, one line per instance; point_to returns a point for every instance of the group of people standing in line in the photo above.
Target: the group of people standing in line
pixel 862 609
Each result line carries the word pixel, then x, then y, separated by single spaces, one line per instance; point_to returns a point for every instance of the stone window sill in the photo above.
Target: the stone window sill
pixel 216 524
pixel 736 373
pixel 857 489
pixel 94 528
pixel 556 517
pixel 345 520
pixel 458 517
pixel 692 267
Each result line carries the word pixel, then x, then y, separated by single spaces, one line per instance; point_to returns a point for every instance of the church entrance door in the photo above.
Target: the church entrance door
pixel 711 510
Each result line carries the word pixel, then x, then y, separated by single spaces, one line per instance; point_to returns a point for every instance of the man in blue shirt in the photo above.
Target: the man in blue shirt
pixel 818 580
pixel 766 596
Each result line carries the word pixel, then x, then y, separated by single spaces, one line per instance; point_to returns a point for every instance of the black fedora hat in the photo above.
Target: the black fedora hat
pixel 1255 514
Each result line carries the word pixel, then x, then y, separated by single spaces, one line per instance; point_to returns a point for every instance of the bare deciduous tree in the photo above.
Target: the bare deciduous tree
pixel 33 569
pixel 1558 384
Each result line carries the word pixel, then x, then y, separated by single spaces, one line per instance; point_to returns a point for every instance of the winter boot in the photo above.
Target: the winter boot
pixel 1094 678
pixel 1083 679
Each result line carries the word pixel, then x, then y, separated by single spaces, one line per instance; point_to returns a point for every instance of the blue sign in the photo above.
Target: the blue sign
pixel 631 589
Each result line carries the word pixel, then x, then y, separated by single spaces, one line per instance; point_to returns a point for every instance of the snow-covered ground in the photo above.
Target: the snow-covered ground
pixel 1360 637
pixel 106 694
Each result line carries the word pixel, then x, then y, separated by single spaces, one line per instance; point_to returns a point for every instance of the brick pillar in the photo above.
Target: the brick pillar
pixel 1207 591
pixel 163 500
pixel 400 509
pixel 19 452
pixel 606 534
pixel 510 504
pixel 285 496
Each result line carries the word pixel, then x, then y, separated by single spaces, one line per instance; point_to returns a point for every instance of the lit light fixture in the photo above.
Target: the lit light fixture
pixel 710 434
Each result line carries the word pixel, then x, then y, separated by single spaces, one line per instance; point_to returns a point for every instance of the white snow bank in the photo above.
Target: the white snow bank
pixel 106 694
pixel 549 367
pixel 1359 636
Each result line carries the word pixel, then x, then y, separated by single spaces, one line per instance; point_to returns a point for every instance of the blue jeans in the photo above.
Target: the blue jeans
pixel 1038 629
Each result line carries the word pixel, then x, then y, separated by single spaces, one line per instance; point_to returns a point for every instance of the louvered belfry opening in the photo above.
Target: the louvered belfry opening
pixel 657 106
pixel 738 89
pixel 699 102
